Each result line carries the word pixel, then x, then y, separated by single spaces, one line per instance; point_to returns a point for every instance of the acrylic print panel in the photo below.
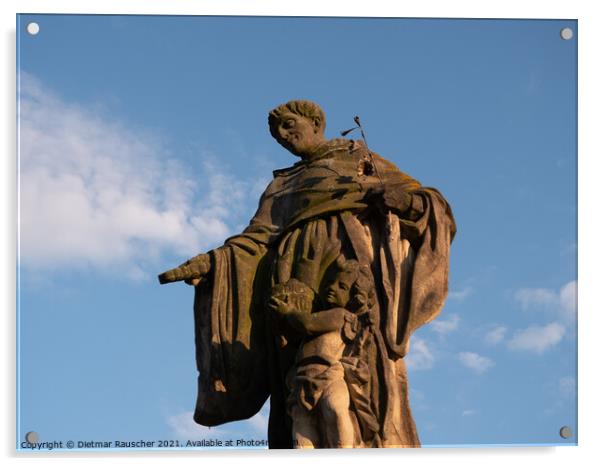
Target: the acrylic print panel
pixel 143 141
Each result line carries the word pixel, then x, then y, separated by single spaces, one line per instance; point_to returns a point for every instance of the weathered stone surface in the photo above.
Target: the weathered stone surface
pixel 315 301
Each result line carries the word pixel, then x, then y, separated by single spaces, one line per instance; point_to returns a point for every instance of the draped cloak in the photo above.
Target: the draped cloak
pixel 308 215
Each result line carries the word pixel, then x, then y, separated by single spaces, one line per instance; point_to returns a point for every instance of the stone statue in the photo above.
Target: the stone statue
pixel 314 303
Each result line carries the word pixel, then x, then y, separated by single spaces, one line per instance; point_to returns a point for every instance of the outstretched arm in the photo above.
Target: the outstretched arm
pixel 191 271
pixel 253 239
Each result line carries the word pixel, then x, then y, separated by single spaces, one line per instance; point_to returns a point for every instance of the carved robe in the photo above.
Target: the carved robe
pixel 309 215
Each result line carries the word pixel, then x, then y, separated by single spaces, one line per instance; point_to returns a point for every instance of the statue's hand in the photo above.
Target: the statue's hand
pixel 397 199
pixel 192 271
pixel 279 306
pixel 389 197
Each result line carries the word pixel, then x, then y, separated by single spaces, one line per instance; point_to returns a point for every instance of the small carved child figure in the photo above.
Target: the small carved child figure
pixel 317 382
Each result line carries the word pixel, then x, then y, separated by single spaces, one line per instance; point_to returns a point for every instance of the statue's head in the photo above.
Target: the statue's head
pixel 353 286
pixel 298 126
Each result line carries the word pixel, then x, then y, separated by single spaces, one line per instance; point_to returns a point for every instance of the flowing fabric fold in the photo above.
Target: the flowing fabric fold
pixel 230 338
pixel 415 276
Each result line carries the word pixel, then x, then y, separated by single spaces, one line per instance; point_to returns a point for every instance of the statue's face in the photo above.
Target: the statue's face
pixel 338 293
pixel 298 134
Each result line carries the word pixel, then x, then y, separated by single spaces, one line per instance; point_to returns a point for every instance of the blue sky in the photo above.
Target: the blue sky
pixel 144 142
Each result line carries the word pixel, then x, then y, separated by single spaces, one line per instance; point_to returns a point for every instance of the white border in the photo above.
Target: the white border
pixel 589 33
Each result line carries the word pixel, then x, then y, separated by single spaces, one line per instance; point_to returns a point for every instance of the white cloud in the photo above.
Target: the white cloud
pixel 537 338
pixel 568 297
pixel 495 335
pixel 416 395
pixel 94 192
pixel 445 326
pixel 185 428
pixel 460 295
pixel 420 356
pixel 534 297
pixel 418 400
pixel 468 412
pixel 475 361
pixel 562 301
pixel 561 304
pixel 259 423
pixel 567 386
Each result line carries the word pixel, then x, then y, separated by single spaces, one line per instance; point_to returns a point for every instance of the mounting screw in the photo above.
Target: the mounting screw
pixel 566 33
pixel 31 437
pixel 33 28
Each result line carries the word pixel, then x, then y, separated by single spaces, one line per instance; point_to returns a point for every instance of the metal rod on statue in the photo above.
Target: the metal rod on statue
pixel 366 160
pixel 359 125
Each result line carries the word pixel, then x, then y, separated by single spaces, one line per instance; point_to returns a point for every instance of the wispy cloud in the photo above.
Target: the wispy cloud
pixel 420 356
pixel 98 193
pixel 418 400
pixel 562 301
pixel 567 386
pixel 559 304
pixel 185 428
pixel 537 338
pixel 468 412
pixel 475 361
pixel 495 335
pixel 536 297
pixel 568 298
pixel 259 423
pixel 445 326
pixel 460 295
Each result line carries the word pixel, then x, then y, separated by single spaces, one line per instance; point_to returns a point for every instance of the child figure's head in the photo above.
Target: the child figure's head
pixel 353 286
